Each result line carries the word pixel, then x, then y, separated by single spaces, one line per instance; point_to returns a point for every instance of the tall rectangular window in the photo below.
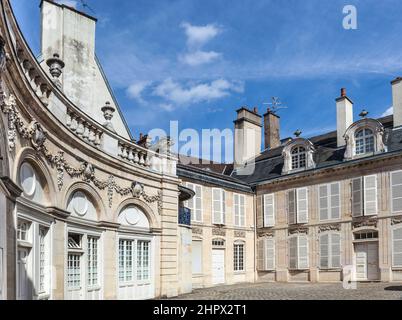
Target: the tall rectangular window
pixel 269 210
pixel 297 205
pixel 266 259
pixel 74 271
pixel 330 251
pixel 238 257
pixel 397 247
pixel 329 202
pixel 218 206
pixel 125 260
pixel 396 191
pixel 143 260
pixel 195 204
pixel 43 260
pixel 239 210
pixel 92 261
pixel 364 196
pixel 298 253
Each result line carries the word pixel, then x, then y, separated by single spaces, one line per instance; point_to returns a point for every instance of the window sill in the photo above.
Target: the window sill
pixel 198 275
pixel 396 268
pixel 44 296
pixel 94 288
pixel 330 269
pixel 239 273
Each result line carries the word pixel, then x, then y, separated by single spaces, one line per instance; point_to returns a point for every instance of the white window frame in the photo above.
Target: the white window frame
pixel 364 138
pixel 298 256
pixel 32 242
pixel 83 252
pixel 239 257
pixel 241 222
pixel 330 256
pixel 330 205
pixel 222 207
pixel 194 208
pixel 269 222
pixel 397 227
pixel 393 211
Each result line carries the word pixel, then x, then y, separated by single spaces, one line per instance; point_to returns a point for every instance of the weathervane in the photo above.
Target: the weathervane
pixel 275 105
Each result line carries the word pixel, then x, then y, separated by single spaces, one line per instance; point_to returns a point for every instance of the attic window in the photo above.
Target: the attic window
pixel 298 158
pixel 364 142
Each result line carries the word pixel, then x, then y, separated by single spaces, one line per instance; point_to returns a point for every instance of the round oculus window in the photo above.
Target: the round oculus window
pixel 28 179
pixel 80 203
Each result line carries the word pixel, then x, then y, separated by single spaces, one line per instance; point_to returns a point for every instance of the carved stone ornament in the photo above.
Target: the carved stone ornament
pixel 298 231
pixel 365 223
pixel 397 220
pixel 37 136
pixel 240 234
pixel 266 234
pixel 197 231
pixel 332 227
pixel 218 232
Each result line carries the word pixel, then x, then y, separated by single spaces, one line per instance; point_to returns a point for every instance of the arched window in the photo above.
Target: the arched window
pixel 299 158
pixel 365 142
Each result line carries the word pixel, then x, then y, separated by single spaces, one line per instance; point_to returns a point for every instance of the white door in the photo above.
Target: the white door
pixel 218 266
pixel 367 262
pixel 23 285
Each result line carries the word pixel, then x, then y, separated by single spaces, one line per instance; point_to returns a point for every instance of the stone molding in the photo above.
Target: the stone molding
pixel 331 227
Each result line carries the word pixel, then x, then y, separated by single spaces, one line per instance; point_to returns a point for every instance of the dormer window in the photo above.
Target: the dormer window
pixel 365 142
pixel 298 155
pixel 365 138
pixel 299 158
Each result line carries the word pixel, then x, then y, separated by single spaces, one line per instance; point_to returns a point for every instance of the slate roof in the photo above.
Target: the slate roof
pixel 270 163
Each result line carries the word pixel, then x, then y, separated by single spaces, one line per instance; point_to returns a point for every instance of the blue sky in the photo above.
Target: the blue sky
pixel 198 61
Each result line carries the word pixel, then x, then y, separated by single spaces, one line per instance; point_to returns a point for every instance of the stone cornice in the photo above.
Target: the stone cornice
pixel 13 190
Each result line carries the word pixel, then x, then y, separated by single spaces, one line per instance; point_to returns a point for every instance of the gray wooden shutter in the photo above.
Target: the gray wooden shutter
pixel 303 253
pixel 260 254
pixel 324 251
pixel 302 205
pixel 335 201
pixel 260 212
pixel 269 210
pixel 357 197
pixel 370 196
pixel 223 206
pixel 292 206
pixel 242 211
pixel 236 205
pixel 323 202
pixel 270 254
pixel 335 250
pixel 198 203
pixel 396 191
pixel 293 253
pixel 397 248
pixel 216 206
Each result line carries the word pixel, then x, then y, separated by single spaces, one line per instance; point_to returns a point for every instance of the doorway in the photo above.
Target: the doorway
pixel 366 261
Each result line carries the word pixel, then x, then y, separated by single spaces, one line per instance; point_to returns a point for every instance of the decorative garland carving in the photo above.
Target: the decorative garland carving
pixel 266 234
pixel 298 231
pixel 371 223
pixel 239 234
pixel 397 220
pixel 218 232
pixel 197 230
pixel 37 136
pixel 332 227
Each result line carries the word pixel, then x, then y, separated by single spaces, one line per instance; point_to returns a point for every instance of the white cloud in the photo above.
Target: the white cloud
pixel 389 112
pixel 183 95
pixel 135 90
pixel 197 36
pixel 70 3
pixel 199 57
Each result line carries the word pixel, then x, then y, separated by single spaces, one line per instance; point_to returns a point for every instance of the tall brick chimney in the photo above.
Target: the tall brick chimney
pixel 397 101
pixel 344 116
pixel 272 133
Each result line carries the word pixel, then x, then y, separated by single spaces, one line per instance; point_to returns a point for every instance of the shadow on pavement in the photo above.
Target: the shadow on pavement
pixel 394 288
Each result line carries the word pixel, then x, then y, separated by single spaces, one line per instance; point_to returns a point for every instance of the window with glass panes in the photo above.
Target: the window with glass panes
pixel 364 141
pixel 74 271
pixel 126 260
pixel 22 230
pixel 92 261
pixel 299 158
pixel 143 257
pixel 239 257
pixel 42 258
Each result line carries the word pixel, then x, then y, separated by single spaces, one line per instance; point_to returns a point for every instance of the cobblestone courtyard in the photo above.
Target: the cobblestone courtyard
pixel 275 291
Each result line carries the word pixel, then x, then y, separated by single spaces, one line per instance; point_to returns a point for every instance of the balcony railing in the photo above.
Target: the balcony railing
pixel 184 216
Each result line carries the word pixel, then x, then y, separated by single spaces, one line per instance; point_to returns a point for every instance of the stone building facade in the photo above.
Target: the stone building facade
pixel 89 212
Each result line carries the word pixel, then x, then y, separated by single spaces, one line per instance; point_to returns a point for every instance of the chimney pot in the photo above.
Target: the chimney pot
pixel 343 92
pixel 255 110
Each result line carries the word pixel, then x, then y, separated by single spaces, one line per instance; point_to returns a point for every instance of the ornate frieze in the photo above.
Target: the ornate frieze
pixel 86 171
pixel 331 227
pixel 269 234
pixel 369 223
pixel 298 231
pixel 219 232
pixel 197 231
pixel 239 234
